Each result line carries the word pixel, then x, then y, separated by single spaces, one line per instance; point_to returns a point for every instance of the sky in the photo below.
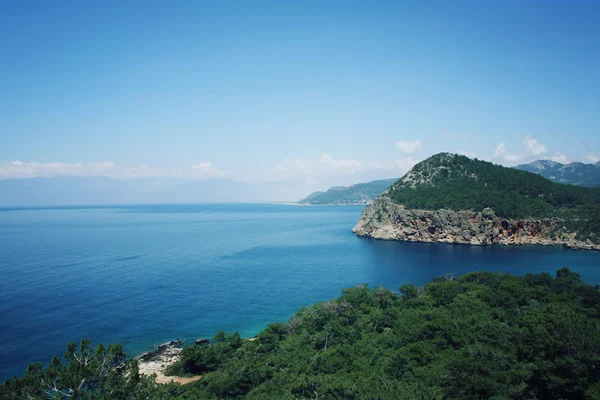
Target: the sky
pixel 329 92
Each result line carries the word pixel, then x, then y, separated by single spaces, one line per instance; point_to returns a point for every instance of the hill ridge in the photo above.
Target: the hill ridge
pixel 574 173
pixel 357 194
pixel 451 198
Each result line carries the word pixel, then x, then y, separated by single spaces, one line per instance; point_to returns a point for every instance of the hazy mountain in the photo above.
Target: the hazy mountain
pixel 575 173
pixel 312 196
pixel 229 191
pixel 64 191
pixel 360 193
pixel 103 190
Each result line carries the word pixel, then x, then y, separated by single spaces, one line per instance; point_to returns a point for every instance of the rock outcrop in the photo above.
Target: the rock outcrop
pixel 156 361
pixel 167 352
pixel 384 219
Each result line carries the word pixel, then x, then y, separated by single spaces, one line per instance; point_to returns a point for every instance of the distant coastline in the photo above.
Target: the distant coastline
pixel 317 205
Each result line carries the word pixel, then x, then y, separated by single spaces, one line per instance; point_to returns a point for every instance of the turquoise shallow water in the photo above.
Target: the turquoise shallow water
pixel 142 275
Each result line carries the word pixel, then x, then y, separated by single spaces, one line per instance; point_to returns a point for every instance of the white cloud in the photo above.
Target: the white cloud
pixel 500 150
pixel 532 146
pixel 206 169
pixel 19 169
pixel 560 158
pixel 195 171
pixel 502 154
pixel 327 168
pixel 532 150
pixel 324 165
pixel 350 166
pixel 404 164
pixel 592 158
pixel 408 147
pixel 401 166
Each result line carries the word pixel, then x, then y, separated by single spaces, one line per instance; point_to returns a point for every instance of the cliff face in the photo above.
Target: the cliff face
pixel 383 219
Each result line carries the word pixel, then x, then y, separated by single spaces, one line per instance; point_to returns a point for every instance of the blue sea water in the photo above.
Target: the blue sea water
pixel 143 275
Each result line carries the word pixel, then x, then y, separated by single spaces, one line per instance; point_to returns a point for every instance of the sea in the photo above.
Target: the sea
pixel 144 275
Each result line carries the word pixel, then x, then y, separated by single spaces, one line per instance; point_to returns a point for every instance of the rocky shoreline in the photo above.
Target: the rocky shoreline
pixel 386 220
pixel 156 361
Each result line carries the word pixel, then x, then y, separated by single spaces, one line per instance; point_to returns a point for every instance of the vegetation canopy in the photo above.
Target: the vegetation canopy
pixel 456 182
pixel 482 335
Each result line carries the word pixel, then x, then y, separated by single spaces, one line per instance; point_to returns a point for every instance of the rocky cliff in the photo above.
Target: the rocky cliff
pixel 384 219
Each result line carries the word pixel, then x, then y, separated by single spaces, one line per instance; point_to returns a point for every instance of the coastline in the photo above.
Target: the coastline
pixel 321 205
pixel 156 361
pixel 385 220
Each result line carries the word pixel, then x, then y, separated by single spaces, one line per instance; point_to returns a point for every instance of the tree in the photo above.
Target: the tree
pixel 88 373
pixel 409 291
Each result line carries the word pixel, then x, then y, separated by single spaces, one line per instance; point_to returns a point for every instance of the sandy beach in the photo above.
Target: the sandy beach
pixel 156 361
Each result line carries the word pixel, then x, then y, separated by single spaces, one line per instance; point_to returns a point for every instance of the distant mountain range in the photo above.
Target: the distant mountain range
pixel 361 193
pixel 103 190
pixel 575 173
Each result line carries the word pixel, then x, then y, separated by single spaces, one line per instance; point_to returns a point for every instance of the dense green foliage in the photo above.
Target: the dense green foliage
pixel 482 335
pixel 85 373
pixel 355 194
pixel 459 183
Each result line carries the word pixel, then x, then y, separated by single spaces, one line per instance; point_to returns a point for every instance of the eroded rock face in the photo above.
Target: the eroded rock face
pixel 164 352
pixel 386 220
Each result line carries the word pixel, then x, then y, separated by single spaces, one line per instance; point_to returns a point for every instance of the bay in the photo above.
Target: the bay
pixel 143 275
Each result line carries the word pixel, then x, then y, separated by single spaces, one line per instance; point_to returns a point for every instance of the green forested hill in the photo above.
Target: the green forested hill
pixel 360 193
pixel 479 336
pixel 457 182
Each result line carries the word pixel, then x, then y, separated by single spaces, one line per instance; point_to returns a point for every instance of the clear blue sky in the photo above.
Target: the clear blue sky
pixel 267 90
